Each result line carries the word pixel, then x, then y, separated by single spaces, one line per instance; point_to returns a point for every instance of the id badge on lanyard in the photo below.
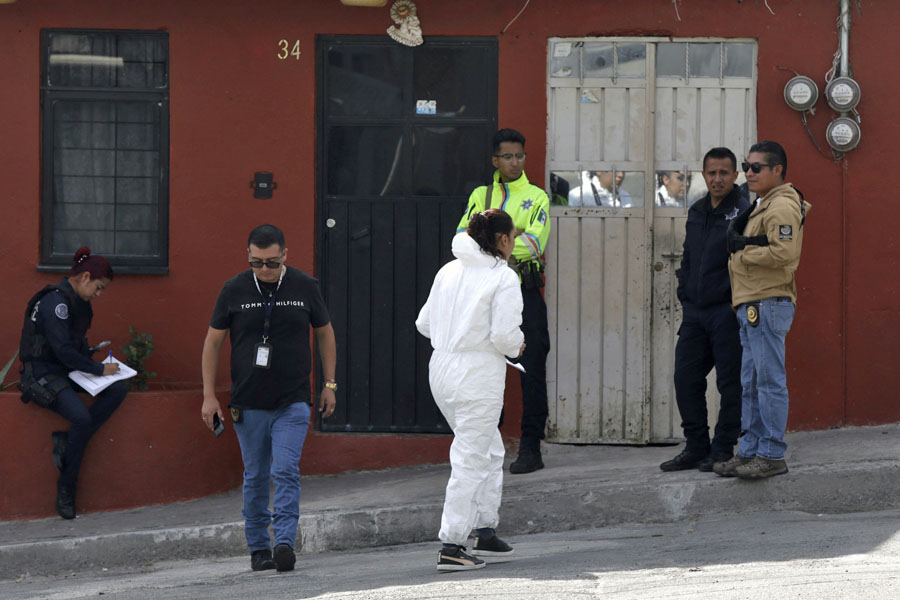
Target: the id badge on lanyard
pixel 262 352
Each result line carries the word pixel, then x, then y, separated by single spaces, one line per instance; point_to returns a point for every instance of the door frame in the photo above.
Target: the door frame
pixel 440 253
pixel 653 164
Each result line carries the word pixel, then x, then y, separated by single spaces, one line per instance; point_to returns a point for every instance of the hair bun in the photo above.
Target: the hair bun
pixel 81 254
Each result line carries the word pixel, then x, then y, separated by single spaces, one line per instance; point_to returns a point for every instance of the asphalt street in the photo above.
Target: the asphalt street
pixel 784 555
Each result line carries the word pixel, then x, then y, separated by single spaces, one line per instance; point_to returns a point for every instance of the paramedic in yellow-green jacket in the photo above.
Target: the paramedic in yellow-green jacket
pixel 529 207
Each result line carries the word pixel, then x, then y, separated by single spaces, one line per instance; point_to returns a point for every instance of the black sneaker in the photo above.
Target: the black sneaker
pixel 284 557
pixel 706 465
pixel 456 559
pixel 60 441
pixel 491 546
pixel 687 459
pixel 526 462
pixel 261 560
pixel 65 501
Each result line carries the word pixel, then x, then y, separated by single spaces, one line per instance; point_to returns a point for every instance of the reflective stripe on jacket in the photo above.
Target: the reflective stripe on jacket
pixel 527 204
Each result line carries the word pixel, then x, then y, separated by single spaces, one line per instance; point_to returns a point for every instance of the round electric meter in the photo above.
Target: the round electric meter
pixel 843 134
pixel 842 94
pixel 801 93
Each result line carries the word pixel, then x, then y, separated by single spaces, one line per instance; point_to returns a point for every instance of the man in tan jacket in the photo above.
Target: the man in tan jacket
pixel 765 244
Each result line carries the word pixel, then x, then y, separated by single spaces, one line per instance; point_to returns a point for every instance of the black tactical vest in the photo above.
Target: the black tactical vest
pixel 33 346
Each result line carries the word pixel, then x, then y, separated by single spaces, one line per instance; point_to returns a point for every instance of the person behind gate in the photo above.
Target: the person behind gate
pixel 53 344
pixel 529 207
pixel 473 316
pixel 267 312
pixel 708 336
pixel 765 242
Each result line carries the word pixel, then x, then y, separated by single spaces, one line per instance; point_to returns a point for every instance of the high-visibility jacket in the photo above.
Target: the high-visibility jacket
pixel 527 204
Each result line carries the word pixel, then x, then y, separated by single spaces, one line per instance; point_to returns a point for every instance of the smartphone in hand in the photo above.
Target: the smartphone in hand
pixel 218 425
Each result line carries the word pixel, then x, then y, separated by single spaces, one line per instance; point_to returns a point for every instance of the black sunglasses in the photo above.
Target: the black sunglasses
pixel 755 167
pixel 258 264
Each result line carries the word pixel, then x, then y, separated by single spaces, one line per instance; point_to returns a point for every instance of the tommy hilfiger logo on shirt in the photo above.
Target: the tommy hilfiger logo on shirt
pixel 299 303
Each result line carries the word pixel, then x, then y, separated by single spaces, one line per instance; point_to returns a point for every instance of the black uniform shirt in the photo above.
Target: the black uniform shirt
pixel 703 277
pixel 240 308
pixel 64 324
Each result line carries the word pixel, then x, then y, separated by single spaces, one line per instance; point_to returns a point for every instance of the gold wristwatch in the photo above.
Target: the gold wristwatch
pixel 331 384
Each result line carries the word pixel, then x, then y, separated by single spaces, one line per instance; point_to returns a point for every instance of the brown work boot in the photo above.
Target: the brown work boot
pixel 727 468
pixel 760 468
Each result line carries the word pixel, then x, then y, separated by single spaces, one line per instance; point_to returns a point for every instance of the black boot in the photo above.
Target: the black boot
pixel 65 500
pixel 261 560
pixel 707 463
pixel 60 443
pixel 529 458
pixel 284 557
pixel 687 459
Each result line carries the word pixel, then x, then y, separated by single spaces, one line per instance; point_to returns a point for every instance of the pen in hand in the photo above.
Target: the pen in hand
pixel 110 367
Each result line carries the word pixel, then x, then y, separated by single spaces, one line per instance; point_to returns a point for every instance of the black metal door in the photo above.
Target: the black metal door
pixel 403 138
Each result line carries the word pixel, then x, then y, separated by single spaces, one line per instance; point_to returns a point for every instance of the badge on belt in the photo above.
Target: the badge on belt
pixel 753 314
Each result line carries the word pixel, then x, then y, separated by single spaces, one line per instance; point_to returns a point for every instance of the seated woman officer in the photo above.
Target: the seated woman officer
pixel 53 344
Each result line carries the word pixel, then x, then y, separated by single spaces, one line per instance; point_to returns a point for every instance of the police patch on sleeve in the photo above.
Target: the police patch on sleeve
pixel 785 232
pixel 62 311
pixel 542 217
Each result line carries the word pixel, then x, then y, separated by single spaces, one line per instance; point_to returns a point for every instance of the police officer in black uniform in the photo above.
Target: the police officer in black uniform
pixel 53 344
pixel 709 335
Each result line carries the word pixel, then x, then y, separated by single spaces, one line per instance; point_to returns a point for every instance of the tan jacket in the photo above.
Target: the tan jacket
pixel 759 272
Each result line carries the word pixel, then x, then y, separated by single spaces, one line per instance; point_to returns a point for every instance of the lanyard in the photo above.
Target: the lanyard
pixel 270 304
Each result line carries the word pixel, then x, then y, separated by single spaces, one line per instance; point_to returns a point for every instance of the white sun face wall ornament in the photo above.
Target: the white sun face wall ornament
pixel 407 30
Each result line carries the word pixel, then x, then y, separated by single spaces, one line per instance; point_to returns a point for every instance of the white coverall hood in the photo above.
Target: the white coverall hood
pixel 472 316
pixel 475 304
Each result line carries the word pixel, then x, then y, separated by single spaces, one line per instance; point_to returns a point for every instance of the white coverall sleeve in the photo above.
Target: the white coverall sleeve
pixel 423 321
pixel 506 317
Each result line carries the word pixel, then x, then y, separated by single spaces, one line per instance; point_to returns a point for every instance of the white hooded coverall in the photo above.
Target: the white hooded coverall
pixel 472 316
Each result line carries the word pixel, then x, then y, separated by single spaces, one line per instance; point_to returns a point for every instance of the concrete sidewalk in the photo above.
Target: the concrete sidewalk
pixel 845 470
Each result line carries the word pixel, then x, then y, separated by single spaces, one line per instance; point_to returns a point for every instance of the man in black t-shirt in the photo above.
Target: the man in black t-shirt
pixel 267 312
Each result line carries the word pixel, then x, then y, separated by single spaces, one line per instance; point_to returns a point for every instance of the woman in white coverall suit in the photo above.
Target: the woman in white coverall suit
pixel 472 317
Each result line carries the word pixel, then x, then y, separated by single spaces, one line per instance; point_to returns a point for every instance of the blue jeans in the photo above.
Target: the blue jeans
pixel 764 407
pixel 271 442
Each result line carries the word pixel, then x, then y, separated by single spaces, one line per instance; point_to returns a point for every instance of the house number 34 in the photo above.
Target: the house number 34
pixel 286 49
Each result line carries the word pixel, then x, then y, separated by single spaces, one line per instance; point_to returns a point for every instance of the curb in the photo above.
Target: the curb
pixel 558 506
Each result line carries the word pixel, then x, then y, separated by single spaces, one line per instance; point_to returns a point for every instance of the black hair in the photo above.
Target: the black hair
pixel 264 236
pixel 667 173
pixel 720 153
pixel 484 227
pixel 507 135
pixel 775 154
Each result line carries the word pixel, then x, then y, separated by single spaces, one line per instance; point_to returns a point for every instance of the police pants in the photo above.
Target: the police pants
pixel 534 359
pixel 85 423
pixel 709 337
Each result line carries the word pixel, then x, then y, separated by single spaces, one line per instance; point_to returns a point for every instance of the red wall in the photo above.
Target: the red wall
pixel 155 450
pixel 236 109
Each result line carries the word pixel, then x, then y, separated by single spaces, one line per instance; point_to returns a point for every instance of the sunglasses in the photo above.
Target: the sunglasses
pixel 258 264
pixel 755 167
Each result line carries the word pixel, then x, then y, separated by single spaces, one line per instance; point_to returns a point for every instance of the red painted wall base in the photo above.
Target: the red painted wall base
pixel 155 449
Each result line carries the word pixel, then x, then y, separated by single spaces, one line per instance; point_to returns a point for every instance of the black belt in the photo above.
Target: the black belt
pixel 773 298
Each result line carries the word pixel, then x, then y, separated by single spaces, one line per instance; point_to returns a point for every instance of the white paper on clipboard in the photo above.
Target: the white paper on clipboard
pixel 516 366
pixel 94 384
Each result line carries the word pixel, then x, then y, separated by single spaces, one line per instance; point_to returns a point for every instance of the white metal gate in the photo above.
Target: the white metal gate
pixel 620 189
